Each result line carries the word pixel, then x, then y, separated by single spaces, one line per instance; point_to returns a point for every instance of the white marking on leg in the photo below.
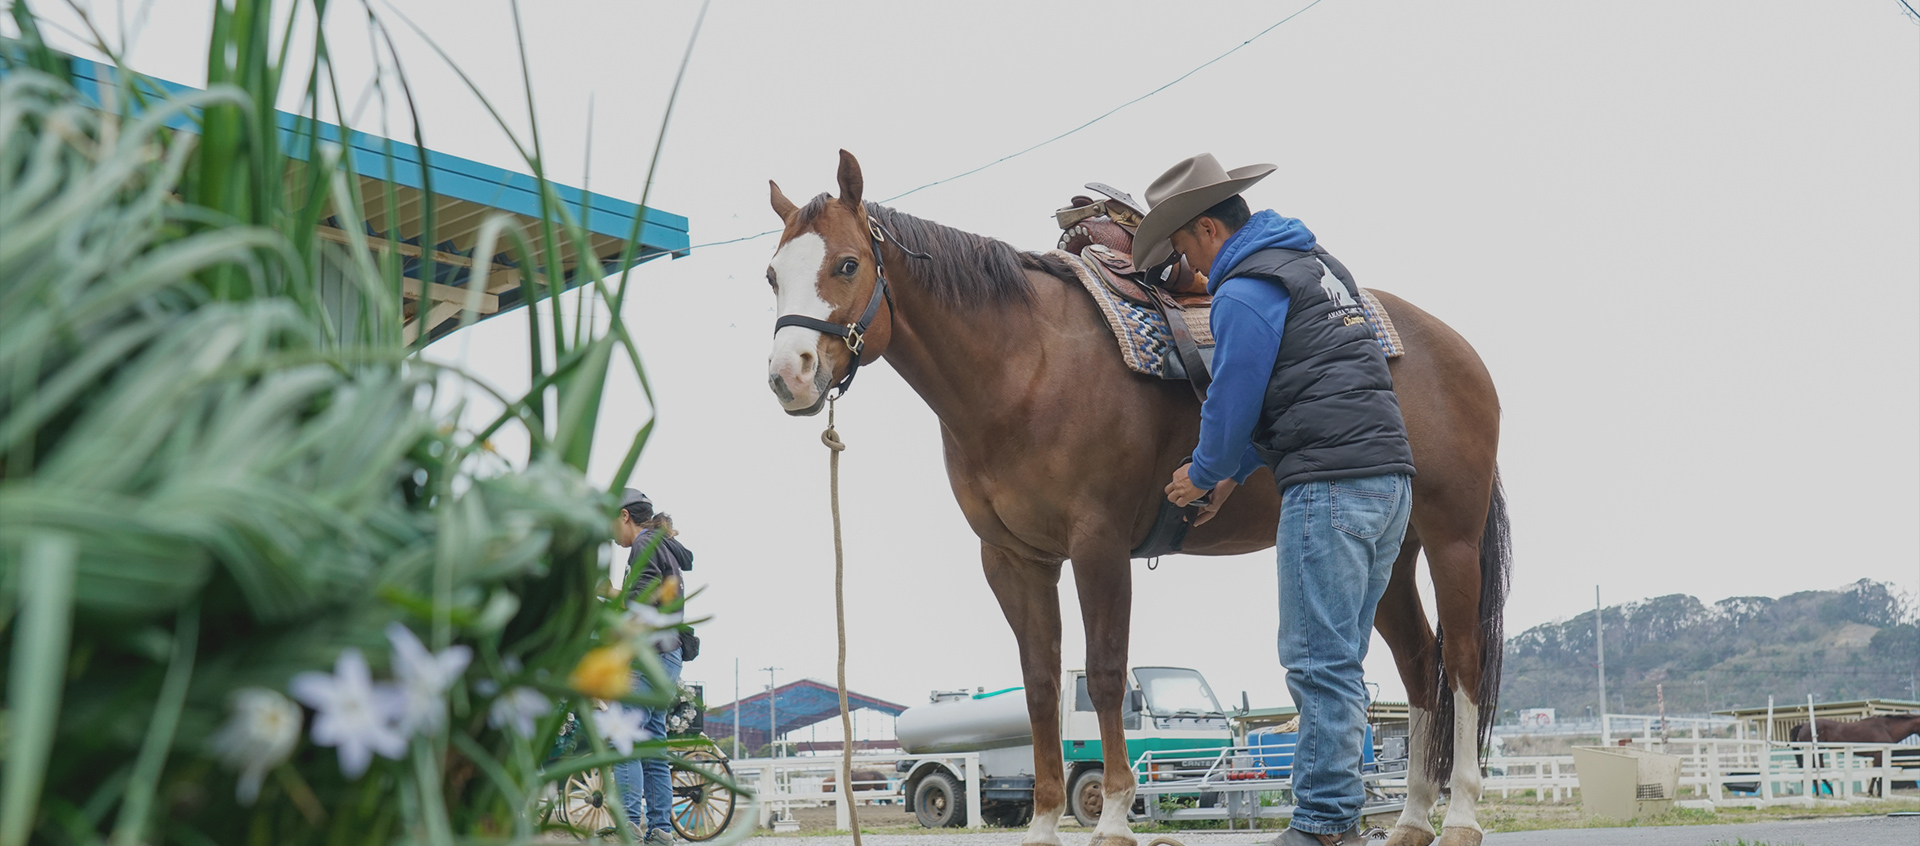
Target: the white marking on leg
pixel 1465 783
pixel 1113 814
pixel 795 270
pixel 1422 790
pixel 1045 828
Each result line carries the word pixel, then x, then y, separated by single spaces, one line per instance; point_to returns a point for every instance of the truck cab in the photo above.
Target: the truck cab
pixel 1167 709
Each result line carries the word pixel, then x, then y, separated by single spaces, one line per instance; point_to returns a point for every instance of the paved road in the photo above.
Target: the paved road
pixel 1848 831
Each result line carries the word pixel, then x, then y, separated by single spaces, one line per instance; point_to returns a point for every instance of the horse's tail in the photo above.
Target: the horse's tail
pixel 1496 562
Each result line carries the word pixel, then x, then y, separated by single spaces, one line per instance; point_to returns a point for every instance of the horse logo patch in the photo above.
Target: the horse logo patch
pixel 1336 290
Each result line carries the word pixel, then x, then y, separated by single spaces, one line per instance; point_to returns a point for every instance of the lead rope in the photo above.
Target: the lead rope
pixel 835 446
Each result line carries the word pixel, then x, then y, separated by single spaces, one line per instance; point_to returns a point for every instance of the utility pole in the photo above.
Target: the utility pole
pixel 736 708
pixel 1600 650
pixel 773 714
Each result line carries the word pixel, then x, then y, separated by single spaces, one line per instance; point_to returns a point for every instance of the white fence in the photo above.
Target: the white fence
pixel 1723 771
pixel 801 782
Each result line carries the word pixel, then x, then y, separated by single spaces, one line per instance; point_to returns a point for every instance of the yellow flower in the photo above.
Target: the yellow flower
pixel 669 590
pixel 604 672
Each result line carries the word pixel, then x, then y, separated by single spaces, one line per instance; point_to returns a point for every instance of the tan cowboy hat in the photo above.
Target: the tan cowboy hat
pixel 1180 195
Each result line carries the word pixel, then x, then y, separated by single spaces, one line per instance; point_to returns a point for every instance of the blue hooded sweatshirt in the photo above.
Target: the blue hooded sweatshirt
pixel 1248 315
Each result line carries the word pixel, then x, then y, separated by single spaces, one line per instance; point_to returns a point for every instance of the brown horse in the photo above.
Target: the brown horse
pixel 1057 452
pixel 1891 728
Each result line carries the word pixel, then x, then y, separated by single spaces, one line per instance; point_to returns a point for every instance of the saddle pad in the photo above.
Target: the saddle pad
pixel 1382 324
pixel 1146 344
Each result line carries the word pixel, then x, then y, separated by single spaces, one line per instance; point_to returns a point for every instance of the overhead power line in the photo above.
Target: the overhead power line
pixel 1096 119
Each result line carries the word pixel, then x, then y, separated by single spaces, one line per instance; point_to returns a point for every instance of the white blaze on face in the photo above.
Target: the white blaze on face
pixel 795 359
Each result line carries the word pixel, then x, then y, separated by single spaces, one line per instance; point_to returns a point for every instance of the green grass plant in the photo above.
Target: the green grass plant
pixel 212 482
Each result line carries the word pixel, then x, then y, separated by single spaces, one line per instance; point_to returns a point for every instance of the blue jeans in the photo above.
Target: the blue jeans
pixel 1336 545
pixel 653 777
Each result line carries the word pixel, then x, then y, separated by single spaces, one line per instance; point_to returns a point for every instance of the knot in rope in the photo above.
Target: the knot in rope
pixel 830 437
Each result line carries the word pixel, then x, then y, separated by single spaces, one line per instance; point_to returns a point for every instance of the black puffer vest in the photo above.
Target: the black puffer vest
pixel 1329 412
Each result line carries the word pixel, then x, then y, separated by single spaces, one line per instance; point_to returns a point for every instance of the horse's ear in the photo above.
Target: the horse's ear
pixel 781 205
pixel 850 182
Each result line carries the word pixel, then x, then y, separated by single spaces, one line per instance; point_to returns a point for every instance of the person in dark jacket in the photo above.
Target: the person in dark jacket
pixel 1300 386
pixel 646 786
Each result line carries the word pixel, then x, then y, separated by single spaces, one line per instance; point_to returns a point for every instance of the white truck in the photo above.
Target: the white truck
pixel 1167 709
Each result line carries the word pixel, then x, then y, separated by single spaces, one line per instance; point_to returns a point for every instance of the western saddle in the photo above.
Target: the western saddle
pixel 1100 232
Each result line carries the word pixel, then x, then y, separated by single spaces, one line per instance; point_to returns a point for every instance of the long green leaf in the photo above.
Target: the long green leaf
pixel 166 718
pixel 35 680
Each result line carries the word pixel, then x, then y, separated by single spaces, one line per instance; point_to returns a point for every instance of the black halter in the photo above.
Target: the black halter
pixel 855 334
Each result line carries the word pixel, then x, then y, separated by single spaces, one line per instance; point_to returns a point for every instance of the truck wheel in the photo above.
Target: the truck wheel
pixel 1088 796
pixel 938 802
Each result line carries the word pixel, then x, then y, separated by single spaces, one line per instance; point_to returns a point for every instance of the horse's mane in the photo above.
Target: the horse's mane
pixel 965 269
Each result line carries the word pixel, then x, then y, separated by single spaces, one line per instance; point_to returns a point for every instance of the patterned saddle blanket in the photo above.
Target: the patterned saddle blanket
pixel 1146 341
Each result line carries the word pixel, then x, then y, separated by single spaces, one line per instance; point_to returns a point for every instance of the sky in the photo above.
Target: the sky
pixel 1685 238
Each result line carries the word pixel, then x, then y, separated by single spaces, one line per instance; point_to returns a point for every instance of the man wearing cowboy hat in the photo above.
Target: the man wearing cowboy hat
pixel 1300 386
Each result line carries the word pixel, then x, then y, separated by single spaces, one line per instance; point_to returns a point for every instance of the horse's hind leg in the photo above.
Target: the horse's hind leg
pixel 1402 623
pixel 1029 595
pixel 1105 583
pixel 1456 576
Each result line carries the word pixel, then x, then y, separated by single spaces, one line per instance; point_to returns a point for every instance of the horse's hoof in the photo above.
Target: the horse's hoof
pixel 1406 835
pixel 1457 835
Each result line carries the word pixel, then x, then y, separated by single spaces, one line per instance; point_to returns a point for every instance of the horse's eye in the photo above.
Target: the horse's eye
pixel 848 267
pixel 770 282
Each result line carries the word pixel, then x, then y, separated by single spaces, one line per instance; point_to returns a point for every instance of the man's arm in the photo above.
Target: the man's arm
pixel 1245 348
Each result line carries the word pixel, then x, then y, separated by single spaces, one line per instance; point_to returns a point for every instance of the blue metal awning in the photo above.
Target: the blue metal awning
pixel 393 192
pixel 793 706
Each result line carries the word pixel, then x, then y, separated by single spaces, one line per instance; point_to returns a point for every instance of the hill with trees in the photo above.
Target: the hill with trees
pixel 1858 642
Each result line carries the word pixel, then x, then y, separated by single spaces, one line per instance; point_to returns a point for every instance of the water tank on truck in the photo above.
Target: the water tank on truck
pixel 992 724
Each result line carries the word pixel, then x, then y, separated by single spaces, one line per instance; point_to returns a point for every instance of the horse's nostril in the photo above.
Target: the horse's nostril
pixel 806 362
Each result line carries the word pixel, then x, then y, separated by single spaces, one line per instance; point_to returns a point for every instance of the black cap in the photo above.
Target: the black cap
pixel 634 500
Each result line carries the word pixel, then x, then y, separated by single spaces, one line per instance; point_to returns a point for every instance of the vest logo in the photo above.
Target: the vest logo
pixel 1335 290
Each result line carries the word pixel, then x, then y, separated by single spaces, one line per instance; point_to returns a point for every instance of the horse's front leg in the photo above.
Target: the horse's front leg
pixel 1029 595
pixel 1104 579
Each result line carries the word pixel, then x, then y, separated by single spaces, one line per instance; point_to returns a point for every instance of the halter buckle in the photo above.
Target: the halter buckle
pixel 856 340
pixel 879 235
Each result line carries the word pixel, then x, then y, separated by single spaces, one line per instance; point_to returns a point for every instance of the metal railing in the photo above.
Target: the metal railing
pixel 800 782
pixel 1237 783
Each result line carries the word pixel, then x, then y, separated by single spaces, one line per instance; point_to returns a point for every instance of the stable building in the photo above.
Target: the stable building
pixel 1783 718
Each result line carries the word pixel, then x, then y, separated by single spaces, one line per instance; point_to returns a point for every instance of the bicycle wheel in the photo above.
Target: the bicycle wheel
pixel 702 807
pixel 587 808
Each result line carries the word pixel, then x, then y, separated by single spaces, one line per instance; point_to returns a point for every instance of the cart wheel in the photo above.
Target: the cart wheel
pixel 585 807
pixel 702 807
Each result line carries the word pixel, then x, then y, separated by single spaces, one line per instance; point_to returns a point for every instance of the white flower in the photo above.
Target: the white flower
pixel 622 727
pixel 353 713
pixel 262 732
pixel 645 624
pixel 518 708
pixel 424 678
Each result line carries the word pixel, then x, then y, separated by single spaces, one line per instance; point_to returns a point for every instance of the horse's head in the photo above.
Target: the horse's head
pixel 826 279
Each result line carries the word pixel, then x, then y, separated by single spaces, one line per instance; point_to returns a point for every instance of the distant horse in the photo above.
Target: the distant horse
pixel 862 780
pixel 1056 452
pixel 1887 729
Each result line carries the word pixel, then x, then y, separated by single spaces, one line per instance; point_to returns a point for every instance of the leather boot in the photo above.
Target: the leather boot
pixel 1296 837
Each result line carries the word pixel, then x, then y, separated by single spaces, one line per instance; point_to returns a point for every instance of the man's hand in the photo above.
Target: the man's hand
pixel 1220 494
pixel 1181 491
